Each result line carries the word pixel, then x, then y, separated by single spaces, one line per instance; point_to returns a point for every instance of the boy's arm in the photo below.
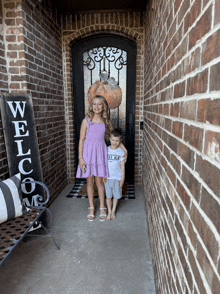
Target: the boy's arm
pixel 122 165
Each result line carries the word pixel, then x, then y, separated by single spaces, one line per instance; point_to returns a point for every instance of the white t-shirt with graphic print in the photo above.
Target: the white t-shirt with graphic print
pixel 114 159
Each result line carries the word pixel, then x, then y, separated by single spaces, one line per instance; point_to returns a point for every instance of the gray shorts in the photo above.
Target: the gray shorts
pixel 112 189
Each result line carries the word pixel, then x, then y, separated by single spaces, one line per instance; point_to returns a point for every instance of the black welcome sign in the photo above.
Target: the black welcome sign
pixel 21 142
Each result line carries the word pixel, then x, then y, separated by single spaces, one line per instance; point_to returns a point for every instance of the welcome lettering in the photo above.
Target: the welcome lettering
pixel 21 131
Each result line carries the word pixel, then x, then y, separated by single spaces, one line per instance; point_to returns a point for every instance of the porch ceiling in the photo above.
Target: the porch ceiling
pixel 72 6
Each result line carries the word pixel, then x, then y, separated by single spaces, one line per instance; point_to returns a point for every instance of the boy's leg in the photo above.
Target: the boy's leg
pixel 109 206
pixel 117 195
pixel 115 203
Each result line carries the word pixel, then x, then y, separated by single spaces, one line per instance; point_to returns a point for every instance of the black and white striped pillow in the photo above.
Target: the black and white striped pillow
pixel 11 204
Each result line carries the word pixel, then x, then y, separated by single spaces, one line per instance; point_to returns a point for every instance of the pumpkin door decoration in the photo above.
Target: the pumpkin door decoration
pixel 107 88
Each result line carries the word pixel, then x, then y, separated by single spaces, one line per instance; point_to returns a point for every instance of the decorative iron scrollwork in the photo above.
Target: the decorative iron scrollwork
pixel 99 54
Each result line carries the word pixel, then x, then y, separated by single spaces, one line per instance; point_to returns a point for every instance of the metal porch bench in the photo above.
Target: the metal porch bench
pixel 13 231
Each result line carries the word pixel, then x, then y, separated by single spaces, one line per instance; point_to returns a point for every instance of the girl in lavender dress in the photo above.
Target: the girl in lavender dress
pixel 93 153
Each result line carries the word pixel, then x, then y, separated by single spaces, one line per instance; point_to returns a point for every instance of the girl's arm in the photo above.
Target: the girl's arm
pixel 125 156
pixel 122 165
pixel 81 143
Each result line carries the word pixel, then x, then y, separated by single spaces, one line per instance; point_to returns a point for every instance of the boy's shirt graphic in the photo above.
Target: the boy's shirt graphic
pixel 114 160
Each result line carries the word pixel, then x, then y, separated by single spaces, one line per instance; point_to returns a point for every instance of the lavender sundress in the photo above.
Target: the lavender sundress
pixel 95 152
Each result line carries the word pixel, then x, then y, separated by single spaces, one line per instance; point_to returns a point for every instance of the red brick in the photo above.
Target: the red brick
pixel 197 219
pixel 186 154
pixel 177 5
pixel 194 136
pixel 20 38
pixel 202 27
pixel 19 21
pixel 209 173
pixel 17 78
pixel 177 128
pixel 202 110
pixel 192 234
pixel 211 48
pixel 212 209
pixel 171 175
pixel 17 63
pixel 212 142
pixel 215 77
pixel 175 163
pixel 192 62
pixel 179 90
pixel 12 54
pixel 174 109
pixel 14 86
pixel 183 9
pixel 188 110
pixel 191 182
pixel 170 63
pixel 181 50
pixel 21 54
pixel 198 83
pixel 16 47
pixel 166 108
pixel 183 195
pixel 11 38
pixel 209 110
pixel 167 124
pixel 14 70
pixel 192 15
pixel 10 22
pixel 205 264
pixel 14 31
pixel 2 61
pixel 217 12
pixel 215 284
pixel 172 142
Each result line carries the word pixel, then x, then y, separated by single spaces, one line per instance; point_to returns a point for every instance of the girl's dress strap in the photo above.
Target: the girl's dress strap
pixel 87 119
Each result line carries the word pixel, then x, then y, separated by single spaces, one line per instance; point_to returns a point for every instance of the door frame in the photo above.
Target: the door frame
pixel 109 40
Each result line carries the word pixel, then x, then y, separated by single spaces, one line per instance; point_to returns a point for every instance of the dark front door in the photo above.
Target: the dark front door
pixel 117 56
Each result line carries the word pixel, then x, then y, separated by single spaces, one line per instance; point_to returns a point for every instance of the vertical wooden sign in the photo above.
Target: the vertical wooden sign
pixel 21 142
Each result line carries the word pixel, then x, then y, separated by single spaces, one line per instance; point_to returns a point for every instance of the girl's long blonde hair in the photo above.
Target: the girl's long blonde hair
pixel 105 116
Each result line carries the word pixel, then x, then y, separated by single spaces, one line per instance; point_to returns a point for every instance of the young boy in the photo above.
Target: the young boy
pixel 116 168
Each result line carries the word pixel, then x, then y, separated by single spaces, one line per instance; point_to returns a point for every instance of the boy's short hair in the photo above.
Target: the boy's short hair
pixel 116 133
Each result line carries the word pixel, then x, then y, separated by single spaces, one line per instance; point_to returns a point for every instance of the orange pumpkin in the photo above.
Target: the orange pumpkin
pixel 108 89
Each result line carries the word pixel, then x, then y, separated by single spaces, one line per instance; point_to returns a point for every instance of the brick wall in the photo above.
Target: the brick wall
pixel 3 87
pixel 3 68
pixel 128 24
pixel 34 59
pixel 181 168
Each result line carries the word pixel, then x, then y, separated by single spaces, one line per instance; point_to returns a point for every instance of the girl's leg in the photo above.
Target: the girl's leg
pixel 109 206
pixel 101 192
pixel 90 192
pixel 115 202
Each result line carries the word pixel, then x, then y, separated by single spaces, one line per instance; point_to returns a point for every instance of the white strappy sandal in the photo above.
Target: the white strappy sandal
pixel 101 215
pixel 91 215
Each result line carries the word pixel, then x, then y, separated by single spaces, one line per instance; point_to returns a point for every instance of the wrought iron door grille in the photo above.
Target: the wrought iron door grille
pixel 113 61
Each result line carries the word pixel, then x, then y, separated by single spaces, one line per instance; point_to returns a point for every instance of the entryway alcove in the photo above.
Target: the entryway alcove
pixel 176 140
pixel 116 56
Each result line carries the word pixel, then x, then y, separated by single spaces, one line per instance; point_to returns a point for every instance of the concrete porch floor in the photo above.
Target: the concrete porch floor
pixel 94 257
